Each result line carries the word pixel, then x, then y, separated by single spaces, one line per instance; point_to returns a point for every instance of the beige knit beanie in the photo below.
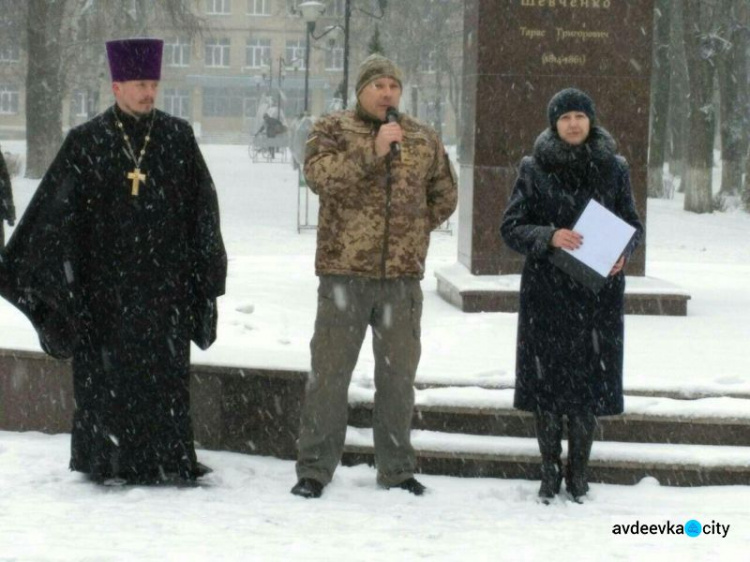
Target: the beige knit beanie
pixel 377 66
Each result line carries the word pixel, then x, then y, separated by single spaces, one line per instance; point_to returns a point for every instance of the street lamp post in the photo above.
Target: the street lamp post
pixel 310 11
pixel 310 26
pixel 345 85
pixel 266 72
pixel 282 63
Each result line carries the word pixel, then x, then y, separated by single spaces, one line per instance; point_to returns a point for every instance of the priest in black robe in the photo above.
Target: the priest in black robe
pixel 118 262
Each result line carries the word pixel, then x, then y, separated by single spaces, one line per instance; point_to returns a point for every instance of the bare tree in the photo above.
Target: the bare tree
pixel 701 45
pixel 743 16
pixel 660 88
pixel 733 88
pixel 44 91
pixel 679 106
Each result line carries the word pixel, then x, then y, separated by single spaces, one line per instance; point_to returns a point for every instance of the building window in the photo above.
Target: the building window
pixel 336 8
pixel 177 51
pixel 79 106
pixel 177 102
pixel 427 62
pixel 259 7
pixel 10 53
pixel 335 58
pixel 222 102
pixel 218 7
pixel 8 99
pixel 217 52
pixel 257 52
pixel 295 53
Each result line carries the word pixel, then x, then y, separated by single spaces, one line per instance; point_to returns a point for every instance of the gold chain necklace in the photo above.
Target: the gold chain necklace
pixel 136 176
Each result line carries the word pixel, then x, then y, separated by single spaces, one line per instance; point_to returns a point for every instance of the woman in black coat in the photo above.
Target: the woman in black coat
pixel 570 338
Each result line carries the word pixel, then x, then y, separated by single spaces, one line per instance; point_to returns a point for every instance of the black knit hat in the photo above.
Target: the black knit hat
pixel 570 99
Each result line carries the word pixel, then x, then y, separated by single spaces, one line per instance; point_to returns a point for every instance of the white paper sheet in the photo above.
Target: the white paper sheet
pixel 605 236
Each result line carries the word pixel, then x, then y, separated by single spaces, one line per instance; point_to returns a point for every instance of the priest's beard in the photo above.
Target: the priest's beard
pixel 135 112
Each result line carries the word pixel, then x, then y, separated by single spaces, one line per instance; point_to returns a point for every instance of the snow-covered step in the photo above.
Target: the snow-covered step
pixel 482 411
pixel 611 462
pixel 675 392
pixel 501 381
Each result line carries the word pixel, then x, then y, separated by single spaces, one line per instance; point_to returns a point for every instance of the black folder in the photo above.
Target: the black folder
pixel 576 268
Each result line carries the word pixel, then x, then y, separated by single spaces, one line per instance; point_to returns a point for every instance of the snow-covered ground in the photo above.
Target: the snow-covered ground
pixel 244 511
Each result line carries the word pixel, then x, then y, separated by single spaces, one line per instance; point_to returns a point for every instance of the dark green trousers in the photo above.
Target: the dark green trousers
pixel 346 307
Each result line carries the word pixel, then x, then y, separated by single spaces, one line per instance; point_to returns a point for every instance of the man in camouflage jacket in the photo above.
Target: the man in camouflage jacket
pixel 378 206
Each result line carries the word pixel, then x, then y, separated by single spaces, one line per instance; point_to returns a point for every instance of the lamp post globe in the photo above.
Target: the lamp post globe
pixel 311 10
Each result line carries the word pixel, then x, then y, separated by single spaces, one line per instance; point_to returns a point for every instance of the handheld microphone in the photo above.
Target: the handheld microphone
pixel 391 116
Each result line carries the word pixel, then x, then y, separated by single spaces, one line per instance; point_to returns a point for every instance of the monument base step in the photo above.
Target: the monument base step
pixel 611 463
pixel 709 421
pixel 675 392
pixel 499 293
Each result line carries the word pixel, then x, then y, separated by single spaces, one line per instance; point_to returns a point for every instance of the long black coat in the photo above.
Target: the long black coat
pixel 570 339
pixel 122 283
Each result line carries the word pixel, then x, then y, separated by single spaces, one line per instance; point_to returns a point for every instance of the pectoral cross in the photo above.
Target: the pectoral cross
pixel 137 178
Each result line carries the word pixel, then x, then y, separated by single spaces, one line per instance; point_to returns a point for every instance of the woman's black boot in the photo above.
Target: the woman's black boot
pixel 581 428
pixel 549 435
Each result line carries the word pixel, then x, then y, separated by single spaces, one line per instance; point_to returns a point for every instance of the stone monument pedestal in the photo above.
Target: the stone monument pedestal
pixel 499 293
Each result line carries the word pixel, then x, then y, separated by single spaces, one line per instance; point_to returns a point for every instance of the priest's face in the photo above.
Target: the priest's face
pixel 573 127
pixel 136 97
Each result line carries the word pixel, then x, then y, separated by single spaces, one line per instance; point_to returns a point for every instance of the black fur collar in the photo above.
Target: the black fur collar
pixel 553 154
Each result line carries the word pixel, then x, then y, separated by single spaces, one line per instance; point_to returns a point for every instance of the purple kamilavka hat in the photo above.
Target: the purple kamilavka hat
pixel 135 59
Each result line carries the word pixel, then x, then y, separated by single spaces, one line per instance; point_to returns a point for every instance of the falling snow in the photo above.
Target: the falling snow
pixel 244 510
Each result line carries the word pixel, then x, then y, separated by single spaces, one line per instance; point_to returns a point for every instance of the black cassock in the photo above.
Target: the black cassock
pixel 121 284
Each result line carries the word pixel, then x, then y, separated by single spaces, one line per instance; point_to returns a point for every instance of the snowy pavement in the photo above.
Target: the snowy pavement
pixel 244 511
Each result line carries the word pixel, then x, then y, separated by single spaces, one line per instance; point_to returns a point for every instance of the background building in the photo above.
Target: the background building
pixel 247 56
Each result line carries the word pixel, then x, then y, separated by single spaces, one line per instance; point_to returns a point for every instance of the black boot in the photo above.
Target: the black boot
pixel 308 488
pixel 581 428
pixel 411 485
pixel 549 435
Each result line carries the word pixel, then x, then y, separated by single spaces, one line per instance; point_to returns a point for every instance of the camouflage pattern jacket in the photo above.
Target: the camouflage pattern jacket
pixel 370 225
